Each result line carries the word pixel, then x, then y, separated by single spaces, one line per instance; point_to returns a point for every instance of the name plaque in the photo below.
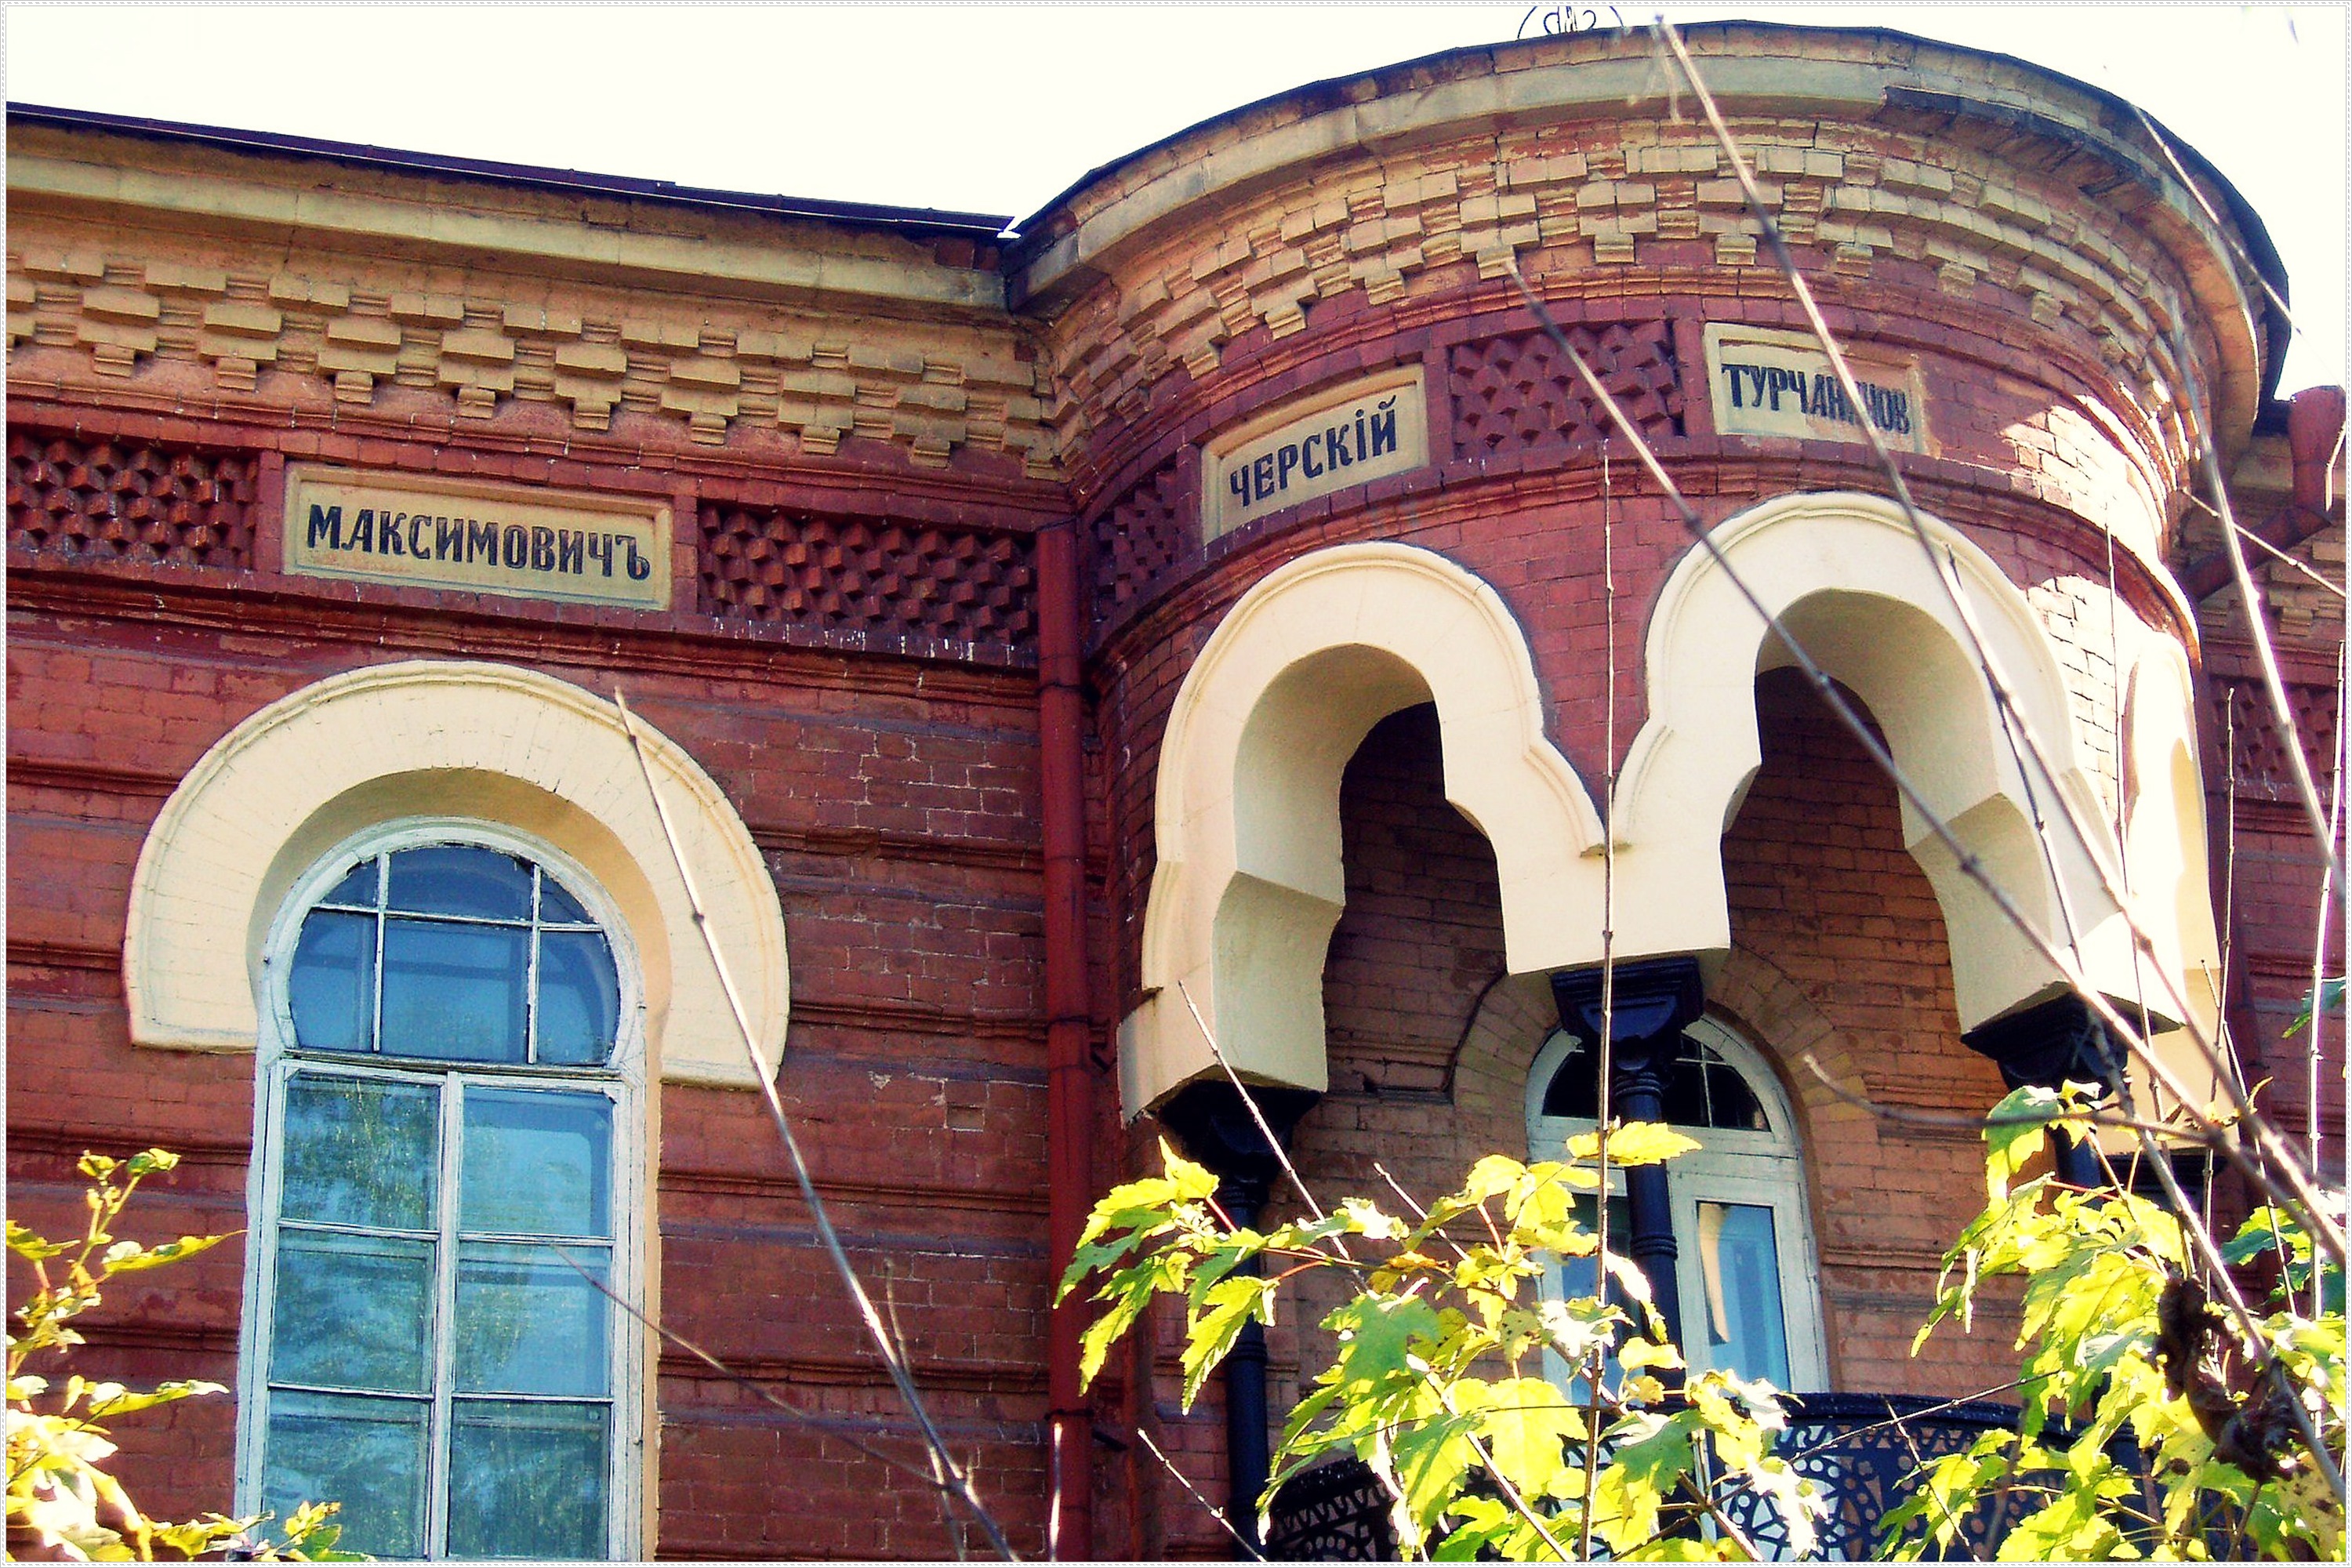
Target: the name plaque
pixel 1768 382
pixel 485 538
pixel 1317 443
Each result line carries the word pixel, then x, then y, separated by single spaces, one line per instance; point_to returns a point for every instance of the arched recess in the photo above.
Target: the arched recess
pixel 448 739
pixel 1846 575
pixel 1248 881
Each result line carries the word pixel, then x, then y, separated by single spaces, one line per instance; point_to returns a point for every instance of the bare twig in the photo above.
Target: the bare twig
pixel 901 1376
pixel 1214 1511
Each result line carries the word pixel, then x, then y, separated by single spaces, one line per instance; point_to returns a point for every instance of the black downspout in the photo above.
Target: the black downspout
pixel 2052 1043
pixel 1655 1000
pixel 1216 1128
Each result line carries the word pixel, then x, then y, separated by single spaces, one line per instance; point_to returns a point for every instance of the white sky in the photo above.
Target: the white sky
pixel 996 107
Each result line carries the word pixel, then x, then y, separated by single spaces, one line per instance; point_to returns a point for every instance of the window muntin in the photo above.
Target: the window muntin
pixel 454 953
pixel 1745 1261
pixel 448 1188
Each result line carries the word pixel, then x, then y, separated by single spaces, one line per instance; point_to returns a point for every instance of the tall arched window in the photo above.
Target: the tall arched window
pixel 448 1145
pixel 1745 1263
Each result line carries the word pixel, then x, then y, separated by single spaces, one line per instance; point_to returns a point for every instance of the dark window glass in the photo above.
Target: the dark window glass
pixel 357 890
pixel 557 907
pixel 579 998
pixel 1702 1090
pixel 461 880
pixel 361 1152
pixel 365 1454
pixel 538 1162
pixel 455 993
pixel 331 990
pixel 526 1480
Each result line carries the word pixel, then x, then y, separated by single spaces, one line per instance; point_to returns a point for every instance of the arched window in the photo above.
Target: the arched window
pixel 449 1147
pixel 1745 1263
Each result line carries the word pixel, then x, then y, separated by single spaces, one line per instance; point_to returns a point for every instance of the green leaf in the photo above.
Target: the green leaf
pixel 1232 1305
pixel 128 1256
pixel 1634 1143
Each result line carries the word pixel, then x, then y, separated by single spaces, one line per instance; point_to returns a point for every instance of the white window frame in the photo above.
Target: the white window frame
pixel 277 1061
pixel 1731 1165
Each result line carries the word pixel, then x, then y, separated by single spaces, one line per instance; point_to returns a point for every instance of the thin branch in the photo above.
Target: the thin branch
pixel 2015 730
pixel 899 1374
pixel 758 1391
pixel 1214 1511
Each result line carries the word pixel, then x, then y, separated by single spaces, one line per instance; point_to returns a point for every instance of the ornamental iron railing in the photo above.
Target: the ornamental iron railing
pixel 1866 1449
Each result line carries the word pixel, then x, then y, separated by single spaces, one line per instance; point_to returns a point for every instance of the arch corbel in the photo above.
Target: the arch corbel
pixel 434 738
pixel 1248 883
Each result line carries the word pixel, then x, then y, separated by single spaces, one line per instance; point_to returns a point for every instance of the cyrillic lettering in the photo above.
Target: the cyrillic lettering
pixel 542 549
pixel 600 550
pixel 567 550
pixel 640 568
pixel 1385 435
pixel 327 523
pixel 364 529
pixel 517 552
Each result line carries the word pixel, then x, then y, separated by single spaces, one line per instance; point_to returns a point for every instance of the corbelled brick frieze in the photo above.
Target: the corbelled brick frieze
pixel 109 289
pixel 287 337
pixel 1606 205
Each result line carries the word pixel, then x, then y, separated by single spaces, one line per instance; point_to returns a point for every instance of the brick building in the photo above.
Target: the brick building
pixel 1185 613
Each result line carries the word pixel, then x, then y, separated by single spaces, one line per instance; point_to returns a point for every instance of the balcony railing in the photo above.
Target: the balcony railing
pixel 1863 1448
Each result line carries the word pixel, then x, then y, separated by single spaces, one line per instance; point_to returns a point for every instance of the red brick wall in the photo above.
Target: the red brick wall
pixel 895 803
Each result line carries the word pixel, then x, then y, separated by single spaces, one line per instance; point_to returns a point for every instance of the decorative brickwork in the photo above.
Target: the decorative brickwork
pixel 1137 540
pixel 79 500
pixel 2257 749
pixel 1514 393
pixel 881 579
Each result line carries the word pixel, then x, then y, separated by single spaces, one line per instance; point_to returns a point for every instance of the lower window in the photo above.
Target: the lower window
pixel 431 1343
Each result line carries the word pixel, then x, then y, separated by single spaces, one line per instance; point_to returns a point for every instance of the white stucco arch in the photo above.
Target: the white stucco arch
pixel 1248 883
pixel 1847 576
pixel 434 738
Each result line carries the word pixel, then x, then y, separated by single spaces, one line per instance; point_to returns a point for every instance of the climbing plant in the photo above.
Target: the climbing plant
pixel 1439 1382
pixel 2154 1423
pixel 59 1489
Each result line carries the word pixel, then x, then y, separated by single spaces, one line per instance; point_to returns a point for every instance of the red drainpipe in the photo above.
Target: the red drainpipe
pixel 1070 1071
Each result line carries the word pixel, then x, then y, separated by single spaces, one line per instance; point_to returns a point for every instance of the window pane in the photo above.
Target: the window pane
pixel 332 987
pixel 1732 1103
pixel 527 1322
pixel 1685 1094
pixel 528 1480
pixel 361 1152
pixel 358 889
pixel 455 993
pixel 1739 1271
pixel 1574 1090
pixel 352 1311
pixel 579 998
pixel 461 880
pixel 538 1162
pixel 366 1454
pixel 557 907
pixel 1581 1275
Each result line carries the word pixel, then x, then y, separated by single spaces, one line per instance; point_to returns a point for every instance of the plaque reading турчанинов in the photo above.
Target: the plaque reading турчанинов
pixel 532 544
pixel 1768 382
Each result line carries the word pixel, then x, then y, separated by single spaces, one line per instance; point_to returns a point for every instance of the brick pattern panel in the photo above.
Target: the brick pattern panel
pixel 1137 540
pixel 2258 756
pixel 878 579
pixel 1514 393
pixel 77 501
